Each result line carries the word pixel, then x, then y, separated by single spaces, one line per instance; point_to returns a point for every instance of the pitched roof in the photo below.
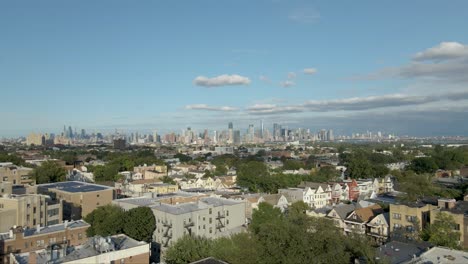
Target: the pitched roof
pixel 367 213
pixel 343 210
pixel 313 185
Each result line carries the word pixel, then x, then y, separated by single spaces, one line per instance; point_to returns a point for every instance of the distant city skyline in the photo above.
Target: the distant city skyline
pixel 399 67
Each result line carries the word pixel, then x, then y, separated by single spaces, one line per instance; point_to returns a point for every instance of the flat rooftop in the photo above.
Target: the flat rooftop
pixel 443 255
pixel 48 229
pixel 75 186
pixel 87 250
pixel 195 206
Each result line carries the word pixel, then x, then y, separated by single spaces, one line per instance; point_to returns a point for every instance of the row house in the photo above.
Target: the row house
pixel 203 183
pixel 357 220
pixel 315 198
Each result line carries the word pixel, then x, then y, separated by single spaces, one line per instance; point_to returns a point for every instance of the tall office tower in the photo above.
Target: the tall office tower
pixel 155 136
pixel 251 133
pixel 322 135
pixel 70 132
pixel 261 130
pixel 236 137
pixel 65 133
pixel 276 131
pixel 137 137
pixel 83 133
pixel 215 136
pixel 330 135
pixel 230 133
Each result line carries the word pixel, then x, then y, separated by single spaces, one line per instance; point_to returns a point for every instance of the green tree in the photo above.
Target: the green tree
pixel 253 175
pixel 416 186
pixel 139 223
pixel 264 214
pixel 423 165
pixel 188 249
pixel 167 179
pixel 105 221
pixel 182 157
pixel 292 165
pixel 442 232
pixel 49 171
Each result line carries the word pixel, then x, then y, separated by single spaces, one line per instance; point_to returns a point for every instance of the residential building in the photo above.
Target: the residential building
pixel 339 213
pixel 356 222
pixel 5 188
pixel 408 218
pixel 152 171
pixel 79 198
pixel 112 249
pixel 209 217
pixel 15 174
pixel 379 228
pixel 20 240
pixel 459 212
pixel 441 255
pixel 29 210
pixel 277 200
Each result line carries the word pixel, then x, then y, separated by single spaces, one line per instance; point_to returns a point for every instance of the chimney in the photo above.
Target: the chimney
pixel 38 228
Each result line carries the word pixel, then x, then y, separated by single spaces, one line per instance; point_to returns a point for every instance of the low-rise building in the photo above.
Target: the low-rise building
pixel 19 240
pixel 112 249
pixel 339 213
pixel 6 188
pixel 29 210
pixel 79 198
pixel 459 212
pixel 407 218
pixel 15 174
pixel 356 222
pixel 209 217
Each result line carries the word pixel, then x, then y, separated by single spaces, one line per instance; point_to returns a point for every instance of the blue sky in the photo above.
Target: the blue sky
pixel 398 66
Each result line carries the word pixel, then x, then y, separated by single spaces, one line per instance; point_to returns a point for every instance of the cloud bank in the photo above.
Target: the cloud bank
pixel 221 80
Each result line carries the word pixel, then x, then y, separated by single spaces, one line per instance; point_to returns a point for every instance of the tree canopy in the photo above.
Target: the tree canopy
pixel 49 171
pixel 139 223
pixel 442 232
pixel 277 238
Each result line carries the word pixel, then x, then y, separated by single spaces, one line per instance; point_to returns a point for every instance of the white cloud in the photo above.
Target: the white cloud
pixel 206 107
pixel 446 63
pixel 287 84
pixel 443 51
pixel 221 80
pixel 291 75
pixel 310 71
pixel 369 103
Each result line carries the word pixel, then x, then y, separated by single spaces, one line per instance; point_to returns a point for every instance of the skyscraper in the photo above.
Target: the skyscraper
pixel 261 130
pixel 230 133
pixel 251 134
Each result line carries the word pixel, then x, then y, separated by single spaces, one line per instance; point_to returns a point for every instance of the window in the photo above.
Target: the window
pixel 227 221
pixel 410 229
pixel 210 211
pixel 26 245
pixel 80 236
pixel 97 195
pixel 211 230
pixel 34 209
pixel 396 227
pixel 204 227
pixel 211 220
pixel 396 216
pixel 227 212
pixel 411 218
